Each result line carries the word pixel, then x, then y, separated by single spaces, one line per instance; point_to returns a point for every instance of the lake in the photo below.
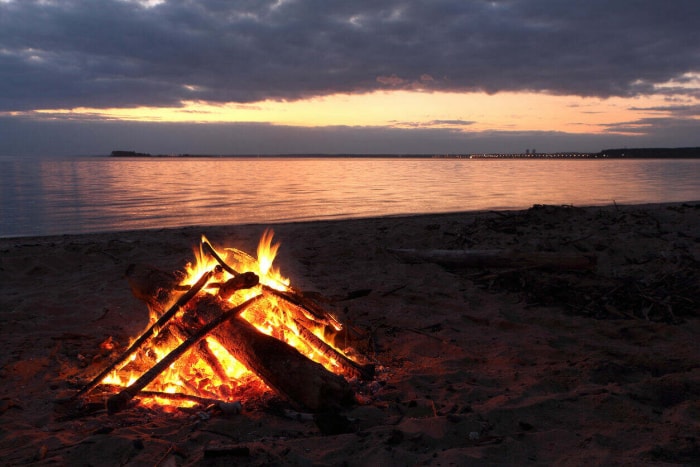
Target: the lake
pixel 49 196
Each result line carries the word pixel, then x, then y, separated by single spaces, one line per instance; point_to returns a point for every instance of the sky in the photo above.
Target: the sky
pixel 85 77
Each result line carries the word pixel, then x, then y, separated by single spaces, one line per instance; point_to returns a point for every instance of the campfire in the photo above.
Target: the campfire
pixel 229 324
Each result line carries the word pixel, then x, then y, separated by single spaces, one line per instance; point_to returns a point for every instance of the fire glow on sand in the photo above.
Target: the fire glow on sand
pixel 236 326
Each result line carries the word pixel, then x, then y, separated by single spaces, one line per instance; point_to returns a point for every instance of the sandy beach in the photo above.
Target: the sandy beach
pixel 504 365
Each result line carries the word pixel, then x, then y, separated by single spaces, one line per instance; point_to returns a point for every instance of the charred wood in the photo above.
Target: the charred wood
pixel 119 401
pixel 302 381
pixel 163 320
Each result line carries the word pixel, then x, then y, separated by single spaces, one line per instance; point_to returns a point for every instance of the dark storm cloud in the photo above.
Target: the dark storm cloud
pixel 68 53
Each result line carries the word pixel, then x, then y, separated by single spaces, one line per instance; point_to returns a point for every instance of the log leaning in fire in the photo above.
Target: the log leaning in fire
pixel 364 372
pixel 302 381
pixel 496 258
pixel 206 247
pixel 307 307
pixel 203 350
pixel 119 401
pixel 164 318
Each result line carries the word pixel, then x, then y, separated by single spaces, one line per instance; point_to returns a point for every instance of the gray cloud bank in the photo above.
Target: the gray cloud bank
pixel 70 53
pixel 57 54
pixel 26 137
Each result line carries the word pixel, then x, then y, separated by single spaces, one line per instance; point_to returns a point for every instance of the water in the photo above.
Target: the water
pixel 82 195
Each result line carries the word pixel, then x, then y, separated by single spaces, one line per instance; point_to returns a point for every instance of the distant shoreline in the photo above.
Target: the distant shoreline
pixel 618 153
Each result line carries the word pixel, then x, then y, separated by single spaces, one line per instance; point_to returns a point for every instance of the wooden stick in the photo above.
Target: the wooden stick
pixel 496 258
pixel 293 296
pixel 349 366
pixel 308 308
pixel 210 249
pixel 182 301
pixel 203 350
pixel 175 396
pixel 119 401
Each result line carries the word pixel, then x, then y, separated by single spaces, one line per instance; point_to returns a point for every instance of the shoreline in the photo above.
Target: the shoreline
pixel 612 153
pixel 505 366
pixel 246 225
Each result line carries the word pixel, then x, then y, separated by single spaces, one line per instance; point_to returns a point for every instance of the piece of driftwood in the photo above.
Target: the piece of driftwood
pixel 209 249
pixel 291 374
pixel 307 307
pixel 202 349
pixel 178 396
pixel 497 258
pixel 164 318
pixel 119 401
pixel 349 366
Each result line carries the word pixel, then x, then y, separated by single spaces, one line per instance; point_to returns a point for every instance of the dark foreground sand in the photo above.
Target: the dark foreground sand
pixel 477 366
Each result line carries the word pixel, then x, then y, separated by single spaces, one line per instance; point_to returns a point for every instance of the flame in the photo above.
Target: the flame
pixel 222 377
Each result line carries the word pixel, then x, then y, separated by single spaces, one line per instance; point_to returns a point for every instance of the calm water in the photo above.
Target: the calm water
pixel 47 196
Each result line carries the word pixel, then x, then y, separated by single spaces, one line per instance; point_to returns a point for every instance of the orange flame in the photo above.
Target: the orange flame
pixel 274 315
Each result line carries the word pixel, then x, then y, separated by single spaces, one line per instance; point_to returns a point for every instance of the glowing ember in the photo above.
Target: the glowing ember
pixel 208 370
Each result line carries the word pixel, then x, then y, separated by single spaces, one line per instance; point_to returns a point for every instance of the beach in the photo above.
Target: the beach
pixel 519 365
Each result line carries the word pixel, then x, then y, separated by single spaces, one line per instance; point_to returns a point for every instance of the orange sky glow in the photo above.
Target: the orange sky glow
pixel 467 112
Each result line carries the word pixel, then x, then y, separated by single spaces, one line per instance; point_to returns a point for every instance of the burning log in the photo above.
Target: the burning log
pixel 233 285
pixel 496 258
pixel 117 402
pixel 165 317
pixel 280 366
pixel 227 407
pixel 299 324
pixel 203 350
pixel 349 366
pixel 308 308
pixel 206 246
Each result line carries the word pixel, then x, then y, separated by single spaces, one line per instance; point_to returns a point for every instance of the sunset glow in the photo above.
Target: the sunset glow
pixel 284 77
pixel 468 112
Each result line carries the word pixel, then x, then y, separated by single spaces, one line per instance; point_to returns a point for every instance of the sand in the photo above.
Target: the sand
pixel 497 366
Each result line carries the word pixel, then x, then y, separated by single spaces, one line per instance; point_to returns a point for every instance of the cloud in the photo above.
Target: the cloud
pixel 679 110
pixel 454 124
pixel 116 53
pixel 27 137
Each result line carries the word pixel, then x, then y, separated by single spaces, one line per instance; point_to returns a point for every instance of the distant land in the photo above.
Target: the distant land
pixel 623 153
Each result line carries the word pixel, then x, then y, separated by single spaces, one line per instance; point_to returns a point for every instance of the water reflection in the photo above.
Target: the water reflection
pixel 88 195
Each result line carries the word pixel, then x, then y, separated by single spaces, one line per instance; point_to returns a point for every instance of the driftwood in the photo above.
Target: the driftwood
pixel 349 366
pixel 164 318
pixel 206 246
pixel 119 401
pixel 291 374
pixel 229 407
pixel 496 258
pixel 307 307
pixel 283 368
